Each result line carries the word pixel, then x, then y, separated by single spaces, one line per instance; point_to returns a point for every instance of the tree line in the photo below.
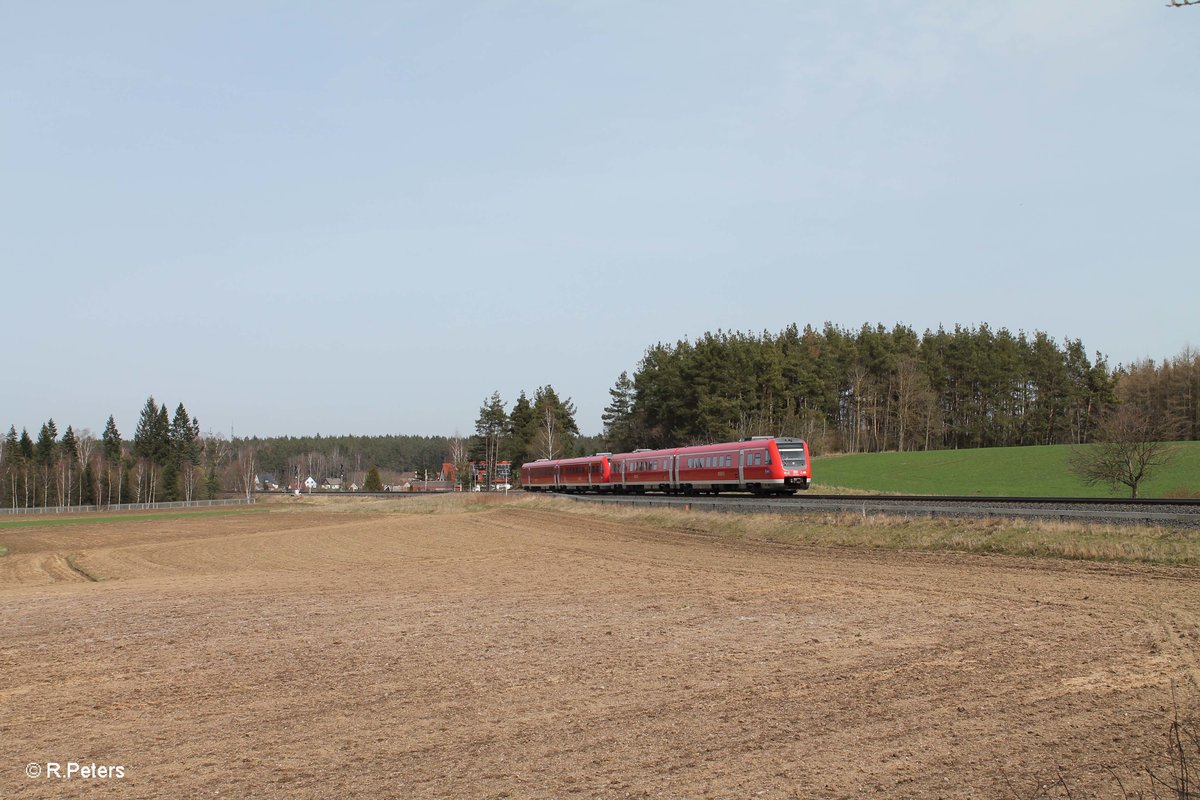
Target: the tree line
pixel 541 427
pixel 864 390
pixel 290 459
pixel 880 389
pixel 168 459
pixel 870 389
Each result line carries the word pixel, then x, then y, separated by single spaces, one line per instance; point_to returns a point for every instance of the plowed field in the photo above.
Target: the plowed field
pixel 523 651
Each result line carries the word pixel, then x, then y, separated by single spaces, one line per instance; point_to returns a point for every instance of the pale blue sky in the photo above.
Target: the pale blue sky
pixel 365 217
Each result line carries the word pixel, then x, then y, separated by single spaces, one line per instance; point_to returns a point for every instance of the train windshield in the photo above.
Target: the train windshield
pixel 792 456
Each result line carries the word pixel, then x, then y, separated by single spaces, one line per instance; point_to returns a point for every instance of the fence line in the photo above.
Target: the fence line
pixel 240 501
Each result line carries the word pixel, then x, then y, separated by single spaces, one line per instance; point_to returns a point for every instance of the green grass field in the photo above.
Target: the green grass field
pixel 995 472
pixel 92 518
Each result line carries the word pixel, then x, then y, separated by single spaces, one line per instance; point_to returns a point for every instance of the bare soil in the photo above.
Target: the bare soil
pixel 522 652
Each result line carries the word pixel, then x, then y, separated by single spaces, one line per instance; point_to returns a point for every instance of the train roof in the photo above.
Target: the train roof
pixel 544 462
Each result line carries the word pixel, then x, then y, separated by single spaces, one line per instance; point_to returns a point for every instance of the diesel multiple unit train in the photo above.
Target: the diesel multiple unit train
pixel 762 465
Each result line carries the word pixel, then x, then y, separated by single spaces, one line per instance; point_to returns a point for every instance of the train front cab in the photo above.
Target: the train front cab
pixel 795 463
pixel 762 465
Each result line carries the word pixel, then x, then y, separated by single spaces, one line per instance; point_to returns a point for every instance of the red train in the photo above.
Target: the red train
pixel 763 465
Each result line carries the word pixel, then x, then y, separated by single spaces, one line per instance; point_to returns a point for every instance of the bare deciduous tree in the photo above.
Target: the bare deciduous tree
pixel 458 458
pixel 547 437
pixel 86 443
pixel 1130 448
pixel 246 469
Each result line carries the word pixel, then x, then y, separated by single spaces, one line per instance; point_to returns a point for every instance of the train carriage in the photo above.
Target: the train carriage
pixel 763 465
pixel 538 476
pixel 642 470
pixel 589 473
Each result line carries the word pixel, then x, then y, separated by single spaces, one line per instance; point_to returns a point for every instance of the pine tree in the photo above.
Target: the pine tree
pixel 521 430
pixel 143 435
pixel 373 482
pixel 618 416
pixel 12 464
pixel 68 460
pixel 169 478
pixel 151 445
pixel 162 434
pixel 185 450
pixel 490 429
pixel 212 482
pixel 182 438
pixel 89 487
pixel 45 451
pixel 111 450
pixel 26 450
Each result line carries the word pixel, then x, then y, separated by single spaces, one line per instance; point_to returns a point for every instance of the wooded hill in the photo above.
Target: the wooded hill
pixel 879 389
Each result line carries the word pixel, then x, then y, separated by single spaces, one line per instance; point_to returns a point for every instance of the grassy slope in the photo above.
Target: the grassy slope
pixel 93 518
pixel 1000 472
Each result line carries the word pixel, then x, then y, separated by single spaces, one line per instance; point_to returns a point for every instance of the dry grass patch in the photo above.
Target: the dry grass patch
pixel 1000 535
pixel 400 503
pixel 1050 539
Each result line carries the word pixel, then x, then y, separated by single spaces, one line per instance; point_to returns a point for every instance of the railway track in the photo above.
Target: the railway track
pixel 1167 513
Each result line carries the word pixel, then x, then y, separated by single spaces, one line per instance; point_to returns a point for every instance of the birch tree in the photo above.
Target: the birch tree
pixel 490 428
pixel 246 470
